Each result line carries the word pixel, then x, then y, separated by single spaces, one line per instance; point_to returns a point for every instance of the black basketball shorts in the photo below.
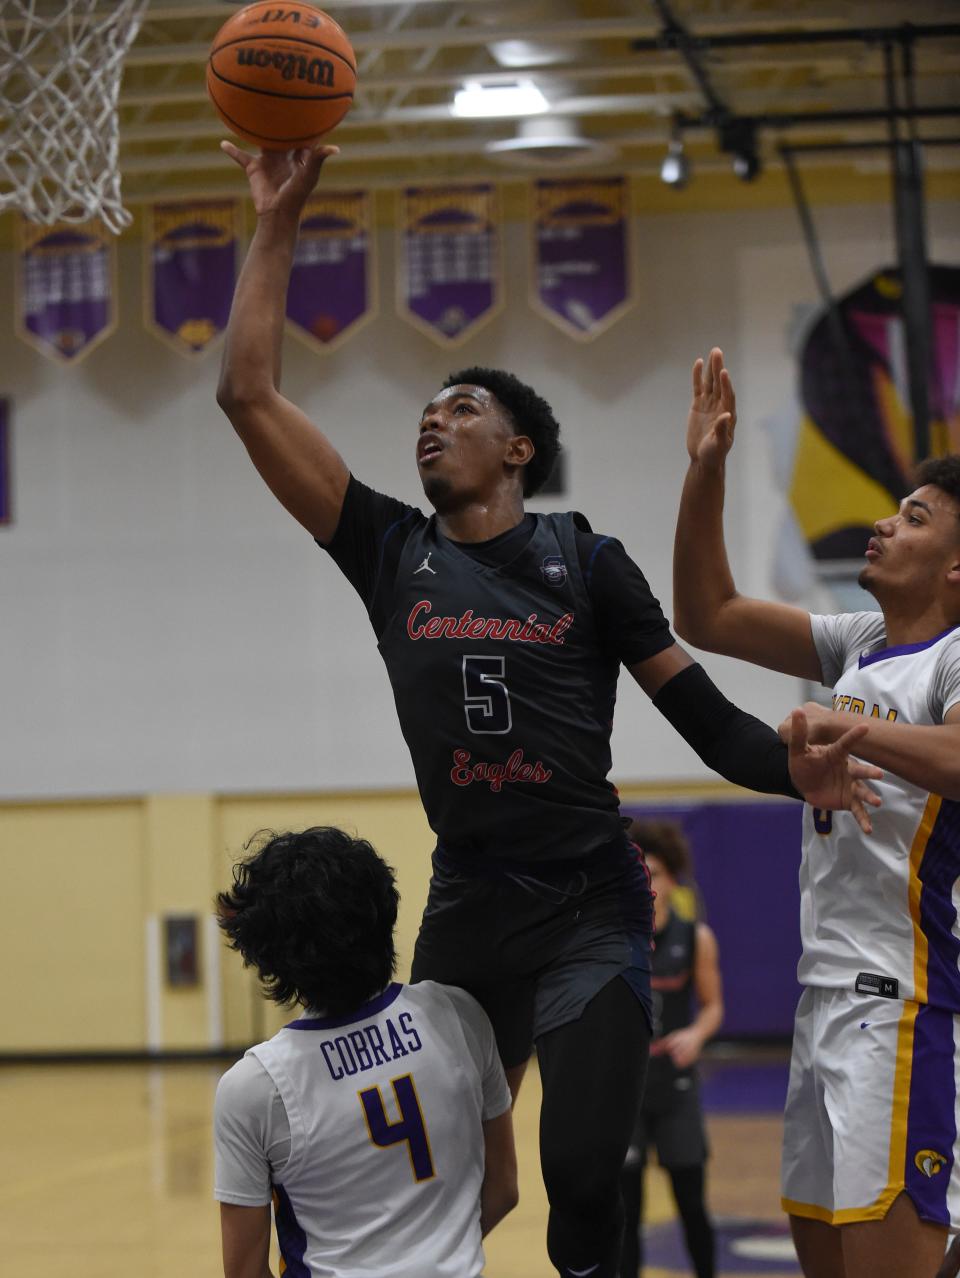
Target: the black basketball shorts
pixel 534 945
pixel 671 1120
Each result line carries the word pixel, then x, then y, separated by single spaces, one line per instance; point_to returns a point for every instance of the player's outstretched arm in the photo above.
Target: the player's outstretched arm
pixel 707 610
pixel 301 467
pixel 926 755
pixel 498 1194
pixel 245 1233
pixel 747 752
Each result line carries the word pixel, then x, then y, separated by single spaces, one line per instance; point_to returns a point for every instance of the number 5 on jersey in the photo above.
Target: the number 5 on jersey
pixel 486 701
pixel 409 1127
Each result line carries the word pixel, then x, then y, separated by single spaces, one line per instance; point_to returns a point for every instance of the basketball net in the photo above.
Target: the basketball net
pixel 60 69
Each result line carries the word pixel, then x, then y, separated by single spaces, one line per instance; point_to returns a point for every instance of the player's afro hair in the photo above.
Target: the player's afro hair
pixel 942 472
pixel 314 913
pixel 530 413
pixel 665 841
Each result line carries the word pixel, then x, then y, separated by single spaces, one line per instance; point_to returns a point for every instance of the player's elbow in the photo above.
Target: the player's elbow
pixel 690 626
pixel 700 621
pixel 683 623
pixel 240 401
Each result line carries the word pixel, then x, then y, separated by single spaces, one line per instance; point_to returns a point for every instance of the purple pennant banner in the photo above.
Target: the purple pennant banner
pixel 331 281
pixel 191 268
pixel 65 293
pixel 449 259
pixel 6 477
pixel 581 253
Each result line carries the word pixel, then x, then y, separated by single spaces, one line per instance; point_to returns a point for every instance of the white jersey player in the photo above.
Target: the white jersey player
pixel 871 1163
pixel 379 1130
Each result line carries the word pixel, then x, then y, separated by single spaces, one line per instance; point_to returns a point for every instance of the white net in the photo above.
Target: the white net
pixel 60 67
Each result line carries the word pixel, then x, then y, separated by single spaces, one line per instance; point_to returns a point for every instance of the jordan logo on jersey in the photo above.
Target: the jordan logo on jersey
pixel 425 566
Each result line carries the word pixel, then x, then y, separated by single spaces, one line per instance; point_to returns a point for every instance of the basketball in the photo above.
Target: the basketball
pixel 281 75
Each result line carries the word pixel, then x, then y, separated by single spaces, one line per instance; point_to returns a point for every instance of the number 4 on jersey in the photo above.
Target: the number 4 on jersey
pixel 410 1126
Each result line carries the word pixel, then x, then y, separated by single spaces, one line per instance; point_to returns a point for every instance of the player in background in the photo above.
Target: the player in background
pixel 670 1117
pixel 870 1174
pixel 503 634
pixel 378 1122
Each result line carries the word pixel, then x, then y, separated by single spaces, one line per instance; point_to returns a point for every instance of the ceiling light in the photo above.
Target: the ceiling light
pixel 550 141
pixel 675 169
pixel 527 53
pixel 478 100
pixel 746 165
pixel 738 137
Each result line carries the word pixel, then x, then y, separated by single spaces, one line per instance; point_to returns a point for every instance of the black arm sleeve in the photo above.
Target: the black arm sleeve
pixel 726 738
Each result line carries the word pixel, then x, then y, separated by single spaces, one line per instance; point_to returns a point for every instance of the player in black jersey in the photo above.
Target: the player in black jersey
pixel 503 634
pixel 685 964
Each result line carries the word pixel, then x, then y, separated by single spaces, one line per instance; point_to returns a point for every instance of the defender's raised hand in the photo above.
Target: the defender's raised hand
pixel 713 412
pixel 828 776
pixel 281 181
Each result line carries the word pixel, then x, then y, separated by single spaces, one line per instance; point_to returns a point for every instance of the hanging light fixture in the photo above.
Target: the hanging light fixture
pixel 675 169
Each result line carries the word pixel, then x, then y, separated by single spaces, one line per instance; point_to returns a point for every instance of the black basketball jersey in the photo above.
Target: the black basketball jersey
pixel 505 695
pixel 671 982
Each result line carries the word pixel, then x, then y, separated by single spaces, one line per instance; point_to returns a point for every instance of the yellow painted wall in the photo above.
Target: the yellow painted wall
pixel 80 880
pixel 71 938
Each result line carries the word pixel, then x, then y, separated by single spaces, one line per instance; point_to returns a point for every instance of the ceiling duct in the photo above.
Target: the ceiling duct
pixel 549 141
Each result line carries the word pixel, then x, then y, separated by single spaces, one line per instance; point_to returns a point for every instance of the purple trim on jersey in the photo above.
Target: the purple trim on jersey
pixel 290 1236
pixel 363 1013
pixel 903 649
pixel 931 1116
pixel 596 550
pixel 939 870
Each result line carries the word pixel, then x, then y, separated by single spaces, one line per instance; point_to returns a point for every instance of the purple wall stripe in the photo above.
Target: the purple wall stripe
pixel 746 857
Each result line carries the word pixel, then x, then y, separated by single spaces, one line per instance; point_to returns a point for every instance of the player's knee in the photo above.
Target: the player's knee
pixel 580 1182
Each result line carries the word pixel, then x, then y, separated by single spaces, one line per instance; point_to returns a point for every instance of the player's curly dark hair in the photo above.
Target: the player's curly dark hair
pixel 943 472
pixel 664 840
pixel 314 913
pixel 531 415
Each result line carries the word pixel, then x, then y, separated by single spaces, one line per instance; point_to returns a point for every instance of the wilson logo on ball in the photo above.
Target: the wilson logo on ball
pixel 281 76
pixel 291 66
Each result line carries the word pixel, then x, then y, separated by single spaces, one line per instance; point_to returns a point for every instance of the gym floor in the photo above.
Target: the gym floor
pixel 109 1171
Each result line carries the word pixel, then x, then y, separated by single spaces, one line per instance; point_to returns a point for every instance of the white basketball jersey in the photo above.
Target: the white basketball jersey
pixel 878 912
pixel 386 1145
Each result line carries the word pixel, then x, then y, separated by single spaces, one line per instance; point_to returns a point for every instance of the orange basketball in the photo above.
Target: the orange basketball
pixel 281 75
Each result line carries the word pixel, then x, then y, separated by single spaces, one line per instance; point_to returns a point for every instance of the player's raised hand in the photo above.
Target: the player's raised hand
pixel 828 776
pixel 713 412
pixel 281 181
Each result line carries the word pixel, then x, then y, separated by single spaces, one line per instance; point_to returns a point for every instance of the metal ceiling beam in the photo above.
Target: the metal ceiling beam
pixel 945 64
pixel 790 119
pixel 711 43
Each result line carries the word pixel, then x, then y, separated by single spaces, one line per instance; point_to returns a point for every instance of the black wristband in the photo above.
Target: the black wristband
pixel 735 744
